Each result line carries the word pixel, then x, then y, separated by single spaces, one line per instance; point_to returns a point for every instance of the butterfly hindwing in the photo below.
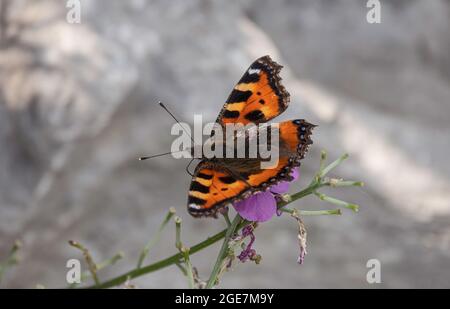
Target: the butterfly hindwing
pixel 258 96
pixel 295 136
pixel 213 186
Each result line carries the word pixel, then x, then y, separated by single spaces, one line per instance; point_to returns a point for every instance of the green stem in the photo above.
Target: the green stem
pixel 188 264
pixel 160 264
pixel 92 266
pixel 155 238
pixel 178 233
pixel 12 258
pixel 227 219
pixel 181 267
pixel 110 261
pixel 296 196
pixel 223 251
pixel 335 163
pixel 313 212
pixel 100 266
pixel 339 183
pixel 335 201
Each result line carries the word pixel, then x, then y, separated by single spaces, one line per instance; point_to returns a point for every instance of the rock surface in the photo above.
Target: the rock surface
pixel 77 107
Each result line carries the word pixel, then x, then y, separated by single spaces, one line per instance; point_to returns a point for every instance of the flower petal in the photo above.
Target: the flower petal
pixel 283 186
pixel 259 207
pixel 280 188
pixel 295 173
pixel 248 252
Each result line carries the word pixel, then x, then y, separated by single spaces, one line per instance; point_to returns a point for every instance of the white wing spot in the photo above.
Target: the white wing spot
pixel 253 71
pixel 195 206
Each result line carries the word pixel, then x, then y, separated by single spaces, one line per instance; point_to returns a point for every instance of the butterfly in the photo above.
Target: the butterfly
pixel 257 98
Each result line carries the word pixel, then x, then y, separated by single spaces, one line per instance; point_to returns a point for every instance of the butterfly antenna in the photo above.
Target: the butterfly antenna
pixel 167 153
pixel 159 155
pixel 154 156
pixel 175 118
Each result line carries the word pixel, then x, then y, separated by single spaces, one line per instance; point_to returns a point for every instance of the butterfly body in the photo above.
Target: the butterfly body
pixel 257 98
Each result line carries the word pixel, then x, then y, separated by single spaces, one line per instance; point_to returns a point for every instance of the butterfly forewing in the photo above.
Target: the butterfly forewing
pixel 258 96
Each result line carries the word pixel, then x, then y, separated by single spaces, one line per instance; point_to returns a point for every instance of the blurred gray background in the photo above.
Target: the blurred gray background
pixel 78 106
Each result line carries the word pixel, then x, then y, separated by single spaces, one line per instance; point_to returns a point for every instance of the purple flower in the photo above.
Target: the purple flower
pixel 262 206
pixel 248 252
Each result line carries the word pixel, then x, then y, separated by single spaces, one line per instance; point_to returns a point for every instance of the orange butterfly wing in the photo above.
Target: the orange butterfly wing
pixel 295 136
pixel 258 96
pixel 212 188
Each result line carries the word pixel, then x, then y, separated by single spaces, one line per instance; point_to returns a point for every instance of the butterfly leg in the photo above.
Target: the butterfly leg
pixel 187 167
